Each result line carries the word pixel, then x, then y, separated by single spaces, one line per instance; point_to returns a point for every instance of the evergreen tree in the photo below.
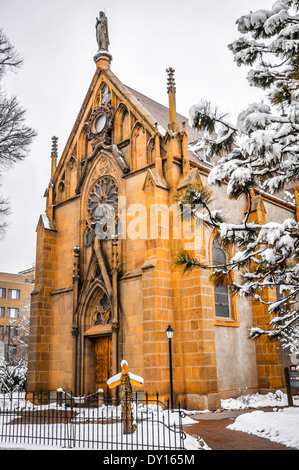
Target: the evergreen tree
pixel 257 154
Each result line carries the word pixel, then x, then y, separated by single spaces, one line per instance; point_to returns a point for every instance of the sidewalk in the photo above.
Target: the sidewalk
pixel 212 429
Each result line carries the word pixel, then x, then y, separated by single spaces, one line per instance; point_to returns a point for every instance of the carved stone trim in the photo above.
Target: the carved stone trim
pixel 103 135
pixel 75 330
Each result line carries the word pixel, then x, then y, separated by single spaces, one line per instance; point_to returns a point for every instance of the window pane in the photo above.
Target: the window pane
pixel 13 294
pixel 13 313
pixel 88 239
pixel 220 292
pixel 2 293
pixel 218 255
pixel 2 311
pixel 221 302
pixel 222 311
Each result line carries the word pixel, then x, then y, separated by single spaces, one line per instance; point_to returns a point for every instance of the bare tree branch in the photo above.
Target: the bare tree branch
pixel 15 136
pixel 9 58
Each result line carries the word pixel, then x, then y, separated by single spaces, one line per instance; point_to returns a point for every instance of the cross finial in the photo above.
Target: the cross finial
pixel 54 155
pixel 170 80
pixel 54 147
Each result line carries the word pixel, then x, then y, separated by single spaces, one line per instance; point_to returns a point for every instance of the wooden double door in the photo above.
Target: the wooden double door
pixel 103 362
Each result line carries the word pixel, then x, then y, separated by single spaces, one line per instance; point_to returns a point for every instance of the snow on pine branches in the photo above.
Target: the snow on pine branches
pixel 258 154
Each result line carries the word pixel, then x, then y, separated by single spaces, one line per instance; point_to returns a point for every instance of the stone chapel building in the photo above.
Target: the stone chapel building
pixel 99 298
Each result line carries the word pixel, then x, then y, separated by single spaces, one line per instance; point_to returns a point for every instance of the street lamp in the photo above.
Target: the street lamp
pixel 169 334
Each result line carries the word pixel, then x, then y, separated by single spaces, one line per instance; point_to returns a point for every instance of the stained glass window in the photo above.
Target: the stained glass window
pixel 102 206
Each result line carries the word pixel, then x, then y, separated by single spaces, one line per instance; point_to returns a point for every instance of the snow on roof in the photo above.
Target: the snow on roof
pixel 46 221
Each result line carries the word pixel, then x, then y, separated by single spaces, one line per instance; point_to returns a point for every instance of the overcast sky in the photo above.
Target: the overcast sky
pixel 56 39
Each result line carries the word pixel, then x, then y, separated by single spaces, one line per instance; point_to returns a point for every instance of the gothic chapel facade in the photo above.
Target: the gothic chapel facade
pixel 100 298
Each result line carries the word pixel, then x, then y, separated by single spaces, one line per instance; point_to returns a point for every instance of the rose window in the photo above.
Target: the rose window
pixel 102 205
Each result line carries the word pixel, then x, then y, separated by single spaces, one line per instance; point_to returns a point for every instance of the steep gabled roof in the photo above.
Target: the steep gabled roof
pixel 160 114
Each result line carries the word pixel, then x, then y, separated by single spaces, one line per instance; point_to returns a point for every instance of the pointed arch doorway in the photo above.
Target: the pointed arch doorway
pixel 103 361
pixel 97 358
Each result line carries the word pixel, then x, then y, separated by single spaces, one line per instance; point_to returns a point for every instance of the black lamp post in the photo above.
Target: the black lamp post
pixel 169 333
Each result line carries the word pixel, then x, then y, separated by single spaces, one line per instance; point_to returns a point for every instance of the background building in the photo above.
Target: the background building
pixel 15 290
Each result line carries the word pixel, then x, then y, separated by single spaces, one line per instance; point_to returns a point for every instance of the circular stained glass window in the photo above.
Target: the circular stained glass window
pixel 102 204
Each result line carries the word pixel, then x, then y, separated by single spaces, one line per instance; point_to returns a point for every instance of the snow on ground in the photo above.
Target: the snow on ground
pixel 98 428
pixel 258 401
pixel 280 425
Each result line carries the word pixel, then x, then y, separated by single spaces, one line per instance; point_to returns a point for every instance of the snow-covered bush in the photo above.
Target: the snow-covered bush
pixel 13 370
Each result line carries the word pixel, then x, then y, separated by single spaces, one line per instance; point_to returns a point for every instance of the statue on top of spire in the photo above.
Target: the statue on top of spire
pixel 102 32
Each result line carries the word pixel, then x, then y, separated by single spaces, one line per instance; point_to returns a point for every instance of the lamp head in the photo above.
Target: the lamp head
pixel 169 332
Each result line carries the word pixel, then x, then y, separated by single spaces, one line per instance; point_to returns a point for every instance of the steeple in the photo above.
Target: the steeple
pixel 173 139
pixel 173 125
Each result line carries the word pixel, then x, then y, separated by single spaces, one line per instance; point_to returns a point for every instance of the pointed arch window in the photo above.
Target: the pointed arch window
pixel 102 314
pixel 122 128
pixel 221 293
pixel 88 236
pixel 61 189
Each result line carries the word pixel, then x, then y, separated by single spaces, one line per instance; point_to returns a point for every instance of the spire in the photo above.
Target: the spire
pixel 54 155
pixel 172 103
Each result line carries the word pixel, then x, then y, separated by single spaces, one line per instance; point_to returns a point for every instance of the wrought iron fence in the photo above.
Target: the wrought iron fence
pixel 57 418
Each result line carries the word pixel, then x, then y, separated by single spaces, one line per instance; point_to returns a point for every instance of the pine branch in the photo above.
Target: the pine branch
pixel 186 262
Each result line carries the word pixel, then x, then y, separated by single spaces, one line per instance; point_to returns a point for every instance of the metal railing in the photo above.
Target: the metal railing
pixel 59 419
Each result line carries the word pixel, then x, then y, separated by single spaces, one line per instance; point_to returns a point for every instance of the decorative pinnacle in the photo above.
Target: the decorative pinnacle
pixel 54 147
pixel 170 80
